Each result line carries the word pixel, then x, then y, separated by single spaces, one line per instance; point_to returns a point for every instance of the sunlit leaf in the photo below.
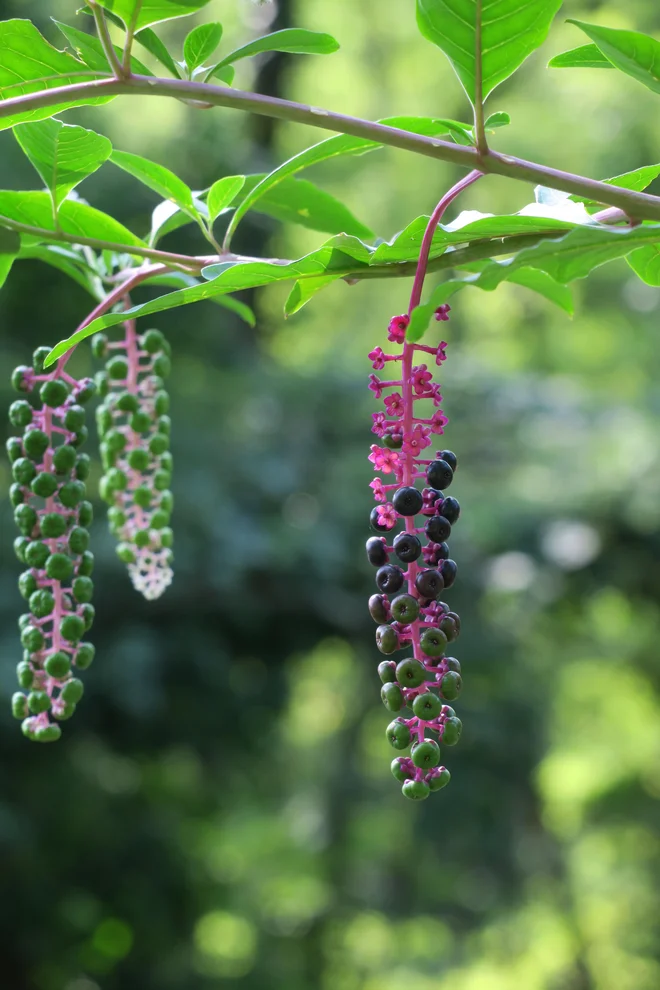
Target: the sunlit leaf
pixel 510 31
pixel 299 201
pixel 88 48
pixel 222 193
pixel 645 262
pixel 498 119
pixel 137 14
pixel 636 54
pixel 62 154
pixel 156 177
pixel 10 244
pixel 150 40
pixel 304 290
pixel 75 217
pixel 29 64
pixel 201 43
pixel 295 40
pixel 584 57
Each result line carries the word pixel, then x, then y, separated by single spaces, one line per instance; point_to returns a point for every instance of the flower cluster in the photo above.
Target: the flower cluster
pixel 52 515
pixel 407 609
pixel 134 430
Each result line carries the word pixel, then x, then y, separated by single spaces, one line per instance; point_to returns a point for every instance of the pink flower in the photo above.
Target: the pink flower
pixel 415 441
pixel 430 497
pixel 440 355
pixel 396 331
pixel 376 386
pixel 431 555
pixel 434 393
pixel 435 610
pixel 387 515
pixel 378 490
pixel 380 420
pixel 420 380
pixel 442 313
pixel 384 459
pixel 394 404
pixel 438 422
pixel 377 358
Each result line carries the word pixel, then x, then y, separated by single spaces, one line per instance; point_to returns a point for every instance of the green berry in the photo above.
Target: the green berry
pixel 161 403
pixel 48 733
pixel 117 479
pixel 387 671
pixel 426 754
pixel 439 778
pixel 27 728
pixel 85 513
pixel 86 564
pixel 166 461
pixel 16 494
pixel 165 425
pixel 80 437
pixel 166 502
pixel 83 467
pixel 21 543
pixel 59 567
pixel 398 734
pixel 138 459
pixel 416 790
pixel 24 620
pixel 410 673
pixel 14 448
pixel 399 769
pixel 142 538
pixel 74 418
pixel 427 706
pixel 166 537
pixel 117 367
pixel 162 480
pixel 27 585
pixel 450 685
pixel 116 519
pixel 72 691
pixel 433 642
pixel 25 675
pixel 64 459
pixel 71 493
pixel 38 701
pixel 392 697
pixel 58 666
pixel 41 603
pixel 152 341
pixel 451 663
pixel 53 393
pixel 104 420
pixel 115 440
pixel 52 525
pixel 142 496
pixel 20 378
pixel 125 553
pixel 39 359
pixel 127 402
pixel 159 444
pixel 85 390
pixel 84 656
pixel 25 518
pixel 23 471
pixel 159 520
pixel 78 540
pixel 140 422
pixel 71 628
pixel 102 383
pixel 452 731
pixel 19 705
pixel 88 615
pixel 63 711
pixel 405 609
pixel 36 444
pixel 99 345
pixel 387 639
pixel 83 589
pixel 36 554
pixel 44 485
pixel 20 413
pixel 162 365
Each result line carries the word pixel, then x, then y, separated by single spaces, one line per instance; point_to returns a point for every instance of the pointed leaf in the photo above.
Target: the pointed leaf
pixel 498 119
pixel 222 193
pixel 634 53
pixel 543 284
pixel 88 48
pixel 295 40
pixel 62 154
pixel 304 290
pixel 75 217
pixel 299 201
pixel 10 244
pixel 156 177
pixel 510 31
pixel 201 43
pixel 225 73
pixel 138 14
pixel 645 262
pixel 638 180
pixel 584 57
pixel 341 144
pixel 150 40
pixel 29 64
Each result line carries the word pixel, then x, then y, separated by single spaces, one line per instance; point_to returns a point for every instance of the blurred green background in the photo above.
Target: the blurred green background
pixel 220 812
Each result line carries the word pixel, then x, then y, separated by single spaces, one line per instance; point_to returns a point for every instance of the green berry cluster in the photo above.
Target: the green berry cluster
pixel 134 430
pixel 52 516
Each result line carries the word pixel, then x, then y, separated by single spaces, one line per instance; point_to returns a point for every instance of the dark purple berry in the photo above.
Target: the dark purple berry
pixel 379 608
pixel 439 474
pixel 389 578
pixel 407 501
pixel 451 663
pixel 376 552
pixel 429 583
pixel 407 547
pixel 450 457
pixel 387 640
pixel 448 570
pixel 438 529
pixel 450 509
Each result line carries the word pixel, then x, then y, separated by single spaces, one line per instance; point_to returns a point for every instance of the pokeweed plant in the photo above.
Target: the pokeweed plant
pixel 575 224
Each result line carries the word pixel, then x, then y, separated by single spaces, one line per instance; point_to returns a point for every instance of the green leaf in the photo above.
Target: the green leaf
pixel 636 54
pixel 75 217
pixel 138 14
pixel 10 244
pixel 341 144
pixel 62 154
pixel 88 48
pixel 222 193
pixel 299 201
pixel 294 40
pixel 510 31
pixel 182 279
pixel 498 119
pixel 543 284
pixel 201 43
pixel 305 289
pixel 157 177
pixel 638 180
pixel 584 57
pixel 150 40
pixel 29 64
pixel 645 262
pixel 225 73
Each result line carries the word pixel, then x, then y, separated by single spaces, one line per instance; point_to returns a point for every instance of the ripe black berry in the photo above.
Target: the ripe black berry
pixel 389 578
pixel 407 547
pixel 376 552
pixel 438 529
pixel 439 474
pixel 429 583
pixel 448 570
pixel 407 501
pixel 374 521
pixel 378 608
pixel 450 509
pixel 450 457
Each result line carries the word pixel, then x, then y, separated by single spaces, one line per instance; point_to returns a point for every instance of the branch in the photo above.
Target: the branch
pixel 479 128
pixel 640 205
pixel 106 41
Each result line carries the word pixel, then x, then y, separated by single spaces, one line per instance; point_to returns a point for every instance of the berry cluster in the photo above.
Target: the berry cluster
pixel 134 430
pixel 48 495
pixel 407 608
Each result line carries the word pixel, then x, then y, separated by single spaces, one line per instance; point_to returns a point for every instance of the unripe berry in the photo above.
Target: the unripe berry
pixel 450 685
pixel 48 733
pixel 387 640
pixel 405 609
pixel 41 603
pixel 58 666
pixel 410 673
pixel 415 790
pixel 38 701
pixel 451 732
pixel 99 345
pixel 387 671
pixel 117 368
pixel 39 356
pixel 27 585
pixel 64 459
pixel 438 778
pixel 20 378
pixel 86 564
pixel 378 608
pixel 78 540
pixel 20 413
pixel 25 676
pixel 84 656
pixel 72 628
pixel 59 567
pixel 433 642
pixel 72 691
pixel 23 471
pixel 74 418
pixel 425 754
pixel 392 697
pixel 21 543
pixel 44 485
pixel 83 589
pixel 398 734
pixel 53 393
pixel 19 705
pixel 36 554
pixel 427 706
pixel 399 768
pixel 14 449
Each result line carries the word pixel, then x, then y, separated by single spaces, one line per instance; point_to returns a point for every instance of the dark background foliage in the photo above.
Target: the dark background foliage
pixel 220 812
